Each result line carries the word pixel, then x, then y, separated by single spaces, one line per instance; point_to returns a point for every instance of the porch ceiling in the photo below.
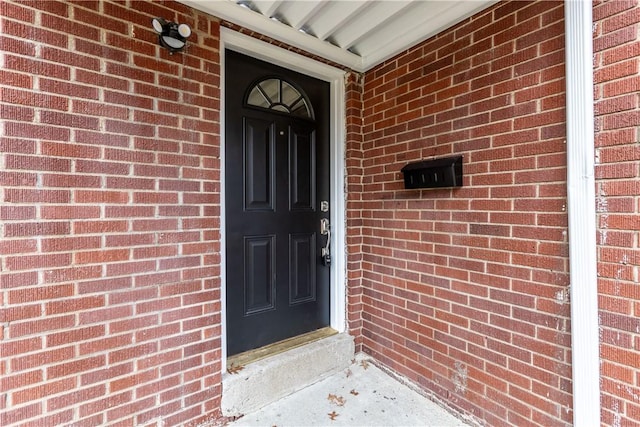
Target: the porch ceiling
pixel 359 34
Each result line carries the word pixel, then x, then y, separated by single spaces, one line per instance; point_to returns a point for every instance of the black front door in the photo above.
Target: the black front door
pixel 276 180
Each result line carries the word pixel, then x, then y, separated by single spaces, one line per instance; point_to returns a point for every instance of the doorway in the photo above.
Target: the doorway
pixel 277 203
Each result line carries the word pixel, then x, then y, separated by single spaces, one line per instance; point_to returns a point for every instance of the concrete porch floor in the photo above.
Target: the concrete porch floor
pixel 362 395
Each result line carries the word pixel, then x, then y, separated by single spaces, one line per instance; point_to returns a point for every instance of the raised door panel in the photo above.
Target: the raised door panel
pixel 259 274
pixel 259 164
pixel 302 268
pixel 302 169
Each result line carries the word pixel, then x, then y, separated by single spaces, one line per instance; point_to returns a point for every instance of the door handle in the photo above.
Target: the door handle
pixel 325 252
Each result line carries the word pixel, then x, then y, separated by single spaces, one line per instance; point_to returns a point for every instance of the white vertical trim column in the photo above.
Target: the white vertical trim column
pixel 585 344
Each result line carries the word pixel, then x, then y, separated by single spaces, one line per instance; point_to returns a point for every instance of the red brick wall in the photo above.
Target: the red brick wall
pixel 617 64
pixel 465 291
pixel 109 205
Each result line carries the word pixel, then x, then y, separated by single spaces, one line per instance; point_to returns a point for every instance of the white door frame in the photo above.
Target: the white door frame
pixel 247 45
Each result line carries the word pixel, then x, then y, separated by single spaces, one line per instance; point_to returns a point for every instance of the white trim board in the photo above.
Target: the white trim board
pixel 581 200
pixel 336 78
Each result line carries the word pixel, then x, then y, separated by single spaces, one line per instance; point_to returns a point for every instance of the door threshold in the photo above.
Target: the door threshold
pixel 248 388
pixel 247 357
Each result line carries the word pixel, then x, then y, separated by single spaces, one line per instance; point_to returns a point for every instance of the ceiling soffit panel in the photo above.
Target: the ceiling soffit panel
pixel 358 34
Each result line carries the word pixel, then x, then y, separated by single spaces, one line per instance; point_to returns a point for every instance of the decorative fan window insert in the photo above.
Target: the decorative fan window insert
pixel 279 95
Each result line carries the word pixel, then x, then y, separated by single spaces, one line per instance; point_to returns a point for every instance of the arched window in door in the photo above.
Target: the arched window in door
pixel 277 94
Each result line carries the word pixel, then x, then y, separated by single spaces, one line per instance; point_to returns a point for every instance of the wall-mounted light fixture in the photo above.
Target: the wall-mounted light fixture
pixel 171 35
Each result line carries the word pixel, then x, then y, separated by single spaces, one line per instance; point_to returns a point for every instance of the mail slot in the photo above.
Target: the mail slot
pixel 434 173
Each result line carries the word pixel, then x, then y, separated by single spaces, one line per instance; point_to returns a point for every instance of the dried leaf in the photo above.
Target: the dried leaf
pixel 364 364
pixel 355 393
pixel 337 400
pixel 348 372
pixel 333 415
pixel 353 361
pixel 235 369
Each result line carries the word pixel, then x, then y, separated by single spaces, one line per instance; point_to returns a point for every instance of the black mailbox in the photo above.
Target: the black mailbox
pixel 434 173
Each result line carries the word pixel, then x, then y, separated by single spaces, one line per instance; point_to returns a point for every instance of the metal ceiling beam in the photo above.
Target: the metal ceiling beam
pixel 299 12
pixel 370 20
pixel 266 7
pixel 336 16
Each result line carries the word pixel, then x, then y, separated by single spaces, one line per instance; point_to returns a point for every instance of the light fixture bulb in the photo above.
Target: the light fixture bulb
pixel 173 43
pixel 158 24
pixel 184 30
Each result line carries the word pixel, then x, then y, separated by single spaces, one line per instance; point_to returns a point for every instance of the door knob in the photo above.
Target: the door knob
pixel 325 252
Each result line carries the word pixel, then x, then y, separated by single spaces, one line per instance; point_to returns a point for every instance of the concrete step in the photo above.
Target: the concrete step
pixel 267 380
